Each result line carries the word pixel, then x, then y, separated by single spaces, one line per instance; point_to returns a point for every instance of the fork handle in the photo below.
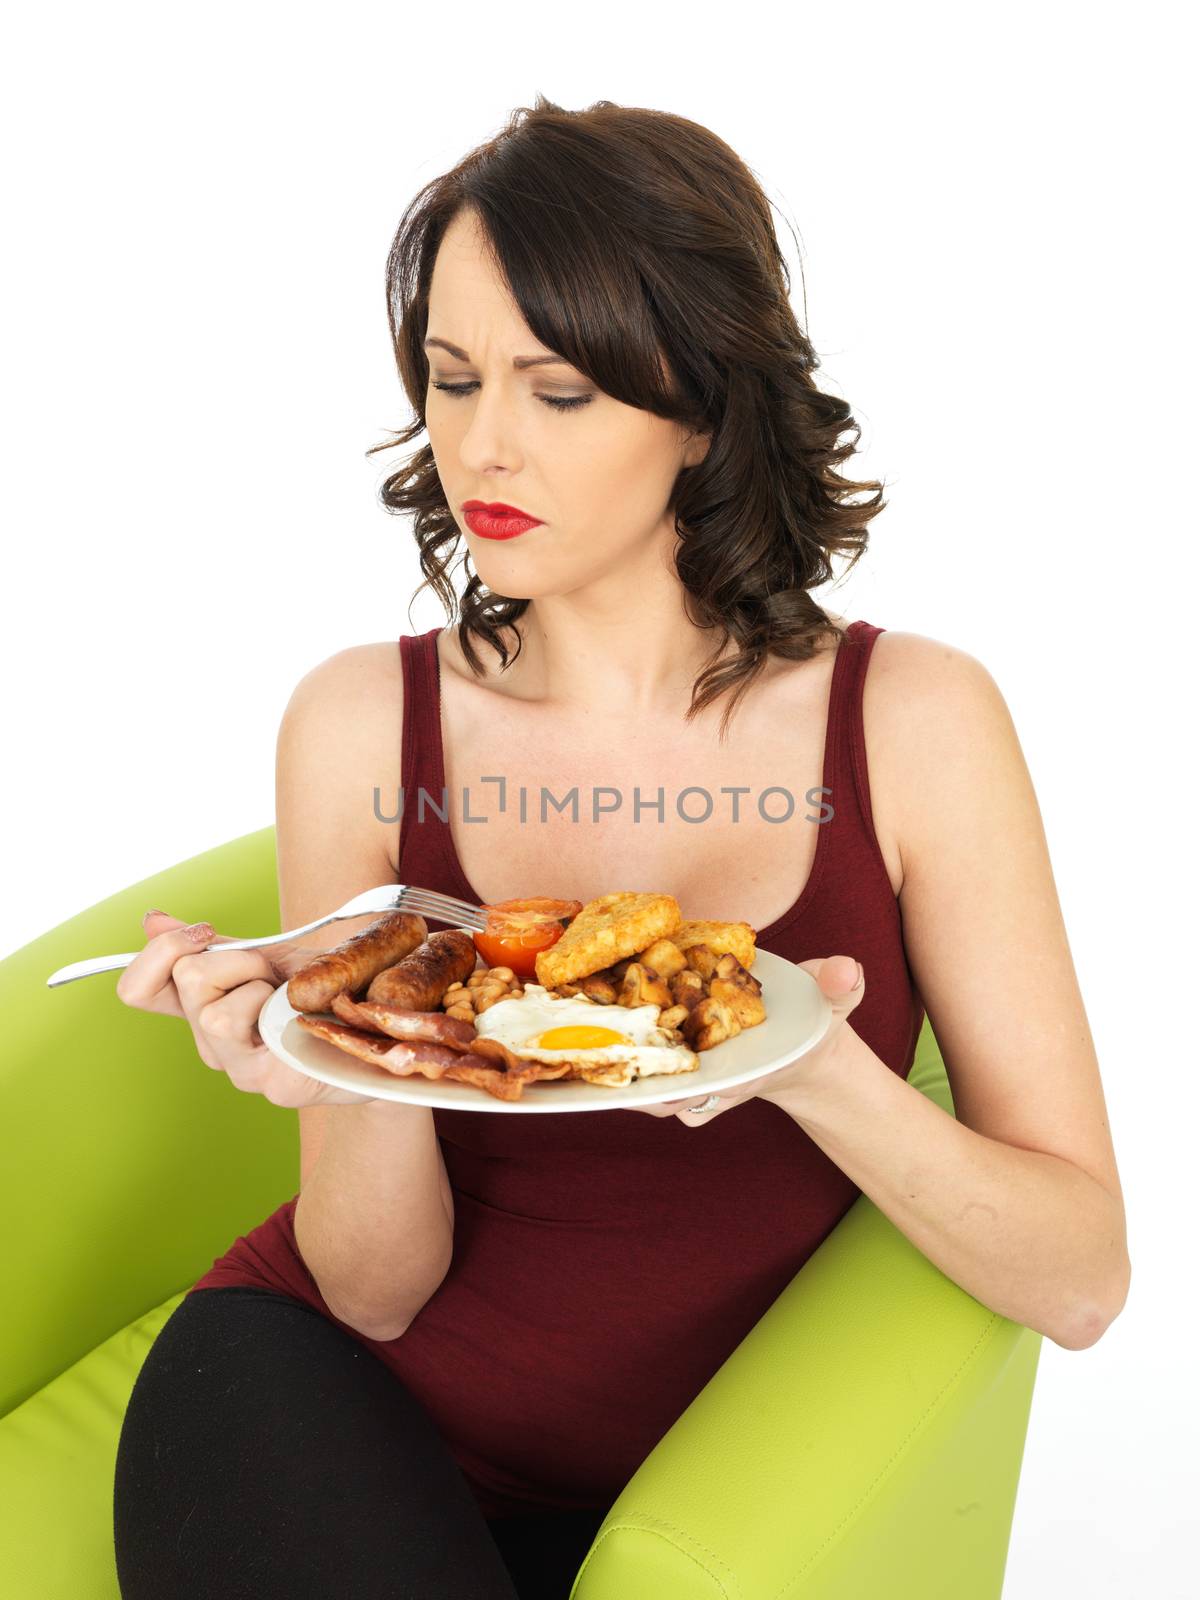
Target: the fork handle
pixel 85 969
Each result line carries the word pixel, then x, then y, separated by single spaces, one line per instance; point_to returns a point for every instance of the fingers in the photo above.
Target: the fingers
pixel 156 922
pixel 848 974
pixel 700 1116
pixel 151 980
pixel 201 977
pixel 841 978
pixel 227 1037
pixel 672 1108
pixel 220 994
pixel 277 961
pixel 146 982
pixel 233 1018
pixel 228 1026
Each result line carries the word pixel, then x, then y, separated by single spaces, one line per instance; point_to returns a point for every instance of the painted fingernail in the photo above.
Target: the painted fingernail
pixel 154 912
pixel 200 932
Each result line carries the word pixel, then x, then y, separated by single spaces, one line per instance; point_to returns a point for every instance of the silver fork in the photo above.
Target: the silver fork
pixel 385 897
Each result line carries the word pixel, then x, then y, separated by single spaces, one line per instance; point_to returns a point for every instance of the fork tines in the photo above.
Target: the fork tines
pixel 442 907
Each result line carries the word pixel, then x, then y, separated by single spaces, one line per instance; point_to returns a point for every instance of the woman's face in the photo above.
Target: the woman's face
pixel 598 474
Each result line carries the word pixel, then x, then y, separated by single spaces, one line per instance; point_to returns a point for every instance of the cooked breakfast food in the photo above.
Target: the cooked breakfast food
pixel 398 1056
pixel 518 930
pixel 625 988
pixel 736 938
pixel 419 981
pixel 605 1044
pixel 483 988
pixel 379 1016
pixel 608 928
pixel 351 965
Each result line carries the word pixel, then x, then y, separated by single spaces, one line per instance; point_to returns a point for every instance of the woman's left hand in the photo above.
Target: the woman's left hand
pixel 841 981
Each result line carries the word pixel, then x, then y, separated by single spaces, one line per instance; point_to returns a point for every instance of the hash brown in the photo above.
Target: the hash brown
pixel 605 931
pixel 736 937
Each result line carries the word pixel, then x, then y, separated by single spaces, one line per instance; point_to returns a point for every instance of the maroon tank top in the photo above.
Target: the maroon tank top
pixel 606 1264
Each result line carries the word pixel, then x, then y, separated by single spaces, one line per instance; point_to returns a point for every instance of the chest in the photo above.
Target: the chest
pixel 577 807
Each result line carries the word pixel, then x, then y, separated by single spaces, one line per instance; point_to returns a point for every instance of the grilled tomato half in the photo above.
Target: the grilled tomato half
pixel 517 929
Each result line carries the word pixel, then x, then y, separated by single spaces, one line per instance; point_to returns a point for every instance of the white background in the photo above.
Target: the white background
pixel 990 205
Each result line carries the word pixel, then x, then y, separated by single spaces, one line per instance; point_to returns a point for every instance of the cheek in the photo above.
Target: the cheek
pixel 611 475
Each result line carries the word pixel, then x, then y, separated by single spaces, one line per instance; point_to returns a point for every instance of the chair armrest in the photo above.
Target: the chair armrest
pixel 864 1439
pixel 129 1166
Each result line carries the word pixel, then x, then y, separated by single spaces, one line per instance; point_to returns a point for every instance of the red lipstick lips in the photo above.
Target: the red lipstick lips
pixel 497 521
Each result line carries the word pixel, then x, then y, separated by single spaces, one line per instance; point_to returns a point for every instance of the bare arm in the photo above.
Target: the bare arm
pixel 1017 1197
pixel 370 1222
pixel 375 1219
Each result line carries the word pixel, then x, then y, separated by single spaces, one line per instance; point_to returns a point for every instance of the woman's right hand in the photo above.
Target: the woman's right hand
pixel 220 996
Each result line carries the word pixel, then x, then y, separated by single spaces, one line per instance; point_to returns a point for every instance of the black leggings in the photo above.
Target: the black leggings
pixel 266 1453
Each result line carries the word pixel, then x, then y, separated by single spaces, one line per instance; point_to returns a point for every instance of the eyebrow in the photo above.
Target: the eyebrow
pixel 520 362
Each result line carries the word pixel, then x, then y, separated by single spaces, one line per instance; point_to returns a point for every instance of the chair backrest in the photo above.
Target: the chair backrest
pixel 129 1166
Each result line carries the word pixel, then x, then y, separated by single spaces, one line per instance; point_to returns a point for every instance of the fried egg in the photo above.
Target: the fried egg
pixel 609 1044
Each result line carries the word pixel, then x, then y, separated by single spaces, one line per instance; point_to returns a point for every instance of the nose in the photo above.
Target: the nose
pixel 490 437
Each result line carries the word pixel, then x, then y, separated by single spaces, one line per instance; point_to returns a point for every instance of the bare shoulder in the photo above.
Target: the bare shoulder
pixel 341 730
pixel 920 662
pixel 916 682
pixel 922 698
pixel 365 675
pixel 353 701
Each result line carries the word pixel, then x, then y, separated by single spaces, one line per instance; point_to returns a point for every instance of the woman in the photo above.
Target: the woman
pixel 591 319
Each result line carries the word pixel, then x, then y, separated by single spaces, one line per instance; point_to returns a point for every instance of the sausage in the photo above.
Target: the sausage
pixel 403 1060
pixel 352 964
pixel 378 1016
pixel 419 981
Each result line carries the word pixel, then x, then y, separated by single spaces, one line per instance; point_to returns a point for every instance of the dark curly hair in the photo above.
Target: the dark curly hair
pixel 673 259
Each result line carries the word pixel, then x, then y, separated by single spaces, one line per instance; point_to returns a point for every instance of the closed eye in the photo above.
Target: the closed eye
pixel 559 402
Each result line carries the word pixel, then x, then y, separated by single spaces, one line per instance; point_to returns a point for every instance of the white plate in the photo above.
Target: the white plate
pixel 798 1017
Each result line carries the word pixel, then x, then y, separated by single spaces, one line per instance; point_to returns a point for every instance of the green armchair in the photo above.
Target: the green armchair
pixel 863 1442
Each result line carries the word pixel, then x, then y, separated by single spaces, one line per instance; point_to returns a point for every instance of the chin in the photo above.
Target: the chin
pixel 518 578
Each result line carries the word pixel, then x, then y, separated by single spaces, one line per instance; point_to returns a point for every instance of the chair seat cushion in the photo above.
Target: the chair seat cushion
pixel 58 1451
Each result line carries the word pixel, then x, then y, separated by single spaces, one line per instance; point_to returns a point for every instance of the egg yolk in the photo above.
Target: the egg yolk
pixel 580 1036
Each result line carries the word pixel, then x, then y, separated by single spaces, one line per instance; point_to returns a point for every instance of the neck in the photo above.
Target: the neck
pixel 634 650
